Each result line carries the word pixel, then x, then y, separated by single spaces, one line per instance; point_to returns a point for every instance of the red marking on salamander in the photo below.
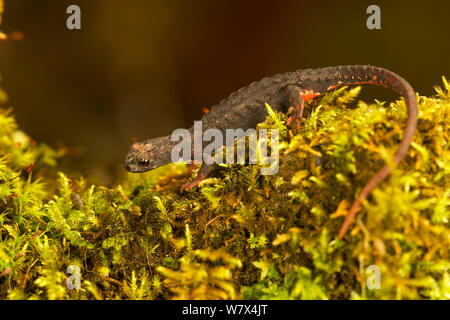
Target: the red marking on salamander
pixel 380 83
pixel 308 95
pixel 30 168
pixel 334 87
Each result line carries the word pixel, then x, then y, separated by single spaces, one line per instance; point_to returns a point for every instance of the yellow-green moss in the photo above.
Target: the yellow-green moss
pixel 240 234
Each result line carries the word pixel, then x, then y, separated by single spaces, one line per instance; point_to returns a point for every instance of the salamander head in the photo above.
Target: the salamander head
pixel 148 155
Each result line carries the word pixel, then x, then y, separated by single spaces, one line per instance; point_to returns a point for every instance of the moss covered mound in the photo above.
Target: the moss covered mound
pixel 240 235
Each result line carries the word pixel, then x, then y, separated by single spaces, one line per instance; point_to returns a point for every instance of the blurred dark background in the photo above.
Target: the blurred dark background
pixel 140 69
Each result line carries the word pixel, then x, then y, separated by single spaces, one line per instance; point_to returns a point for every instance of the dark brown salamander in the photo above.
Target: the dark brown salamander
pixel 245 109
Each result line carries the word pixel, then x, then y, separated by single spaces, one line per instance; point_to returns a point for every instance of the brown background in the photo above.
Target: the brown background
pixel 144 68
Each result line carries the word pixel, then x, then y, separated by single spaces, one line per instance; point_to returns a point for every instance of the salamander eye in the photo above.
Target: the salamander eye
pixel 144 162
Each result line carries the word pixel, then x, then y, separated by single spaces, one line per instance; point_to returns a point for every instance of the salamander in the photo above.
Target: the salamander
pixel 245 108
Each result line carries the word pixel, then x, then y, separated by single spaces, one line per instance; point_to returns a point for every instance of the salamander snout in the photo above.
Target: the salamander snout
pixel 137 159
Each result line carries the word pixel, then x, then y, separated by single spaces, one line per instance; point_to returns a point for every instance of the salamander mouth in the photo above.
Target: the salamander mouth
pixel 135 168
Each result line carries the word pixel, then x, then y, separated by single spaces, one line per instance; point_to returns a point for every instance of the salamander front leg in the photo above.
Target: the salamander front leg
pixel 201 175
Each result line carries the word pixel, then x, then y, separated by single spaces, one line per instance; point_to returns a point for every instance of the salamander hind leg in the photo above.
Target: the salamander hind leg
pixel 297 98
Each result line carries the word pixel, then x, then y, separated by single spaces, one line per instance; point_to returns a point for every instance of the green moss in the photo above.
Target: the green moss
pixel 240 234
